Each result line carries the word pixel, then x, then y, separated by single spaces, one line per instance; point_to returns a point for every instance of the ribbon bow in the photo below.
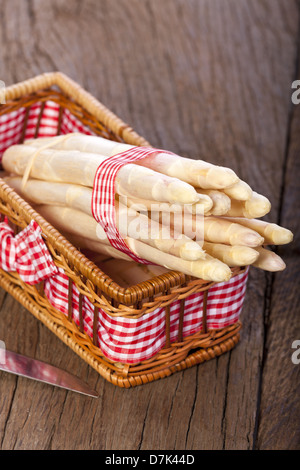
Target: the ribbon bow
pixel 26 253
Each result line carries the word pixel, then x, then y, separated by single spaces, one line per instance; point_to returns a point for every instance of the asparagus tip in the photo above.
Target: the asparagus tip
pixel 246 255
pixel 222 177
pixel 181 192
pixel 256 210
pixel 222 273
pixel 273 263
pixel 218 272
pixel 251 239
pixel 283 237
pixel 191 251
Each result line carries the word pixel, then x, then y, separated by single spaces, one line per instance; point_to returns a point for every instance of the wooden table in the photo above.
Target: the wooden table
pixel 202 78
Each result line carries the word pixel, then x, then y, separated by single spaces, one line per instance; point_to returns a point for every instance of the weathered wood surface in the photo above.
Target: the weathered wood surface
pixel 204 78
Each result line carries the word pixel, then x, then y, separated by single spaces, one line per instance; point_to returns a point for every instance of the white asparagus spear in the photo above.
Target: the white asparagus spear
pixel 85 243
pixel 240 191
pixel 50 192
pixel 273 234
pixel 78 141
pixel 145 205
pixel 130 222
pixel 131 225
pixel 221 202
pixel 268 260
pixel 219 230
pixel 195 172
pixel 80 197
pixel 199 173
pixel 79 168
pixel 202 206
pixel 235 255
pixel 138 226
pixel 257 206
pixel 208 269
pixel 81 224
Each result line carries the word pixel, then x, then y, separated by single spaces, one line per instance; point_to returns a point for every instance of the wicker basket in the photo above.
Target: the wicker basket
pixel 104 293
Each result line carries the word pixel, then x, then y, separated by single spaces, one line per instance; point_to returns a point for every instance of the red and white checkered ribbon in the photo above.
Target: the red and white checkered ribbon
pixel 25 253
pixel 103 198
pixel 131 340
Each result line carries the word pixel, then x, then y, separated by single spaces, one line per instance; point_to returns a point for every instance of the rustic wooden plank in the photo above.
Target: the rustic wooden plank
pixel 30 411
pixel 207 79
pixel 280 411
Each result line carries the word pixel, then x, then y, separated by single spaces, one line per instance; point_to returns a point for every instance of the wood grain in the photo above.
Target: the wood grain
pixel 280 411
pixel 206 79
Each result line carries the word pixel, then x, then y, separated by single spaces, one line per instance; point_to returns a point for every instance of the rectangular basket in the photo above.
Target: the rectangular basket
pixel 132 323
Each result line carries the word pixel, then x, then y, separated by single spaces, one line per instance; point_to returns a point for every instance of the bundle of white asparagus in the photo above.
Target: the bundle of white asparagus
pixel 186 215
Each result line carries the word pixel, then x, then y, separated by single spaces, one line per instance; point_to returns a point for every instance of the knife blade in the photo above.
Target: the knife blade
pixel 43 372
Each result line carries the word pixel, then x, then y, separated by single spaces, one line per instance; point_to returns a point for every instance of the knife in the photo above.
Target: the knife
pixel 42 372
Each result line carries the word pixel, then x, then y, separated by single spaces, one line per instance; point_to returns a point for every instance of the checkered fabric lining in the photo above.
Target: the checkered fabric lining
pixel 120 339
pixel 25 253
pixel 135 340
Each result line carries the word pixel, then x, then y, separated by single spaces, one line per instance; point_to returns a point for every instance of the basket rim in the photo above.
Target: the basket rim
pixel 77 93
pixel 159 284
